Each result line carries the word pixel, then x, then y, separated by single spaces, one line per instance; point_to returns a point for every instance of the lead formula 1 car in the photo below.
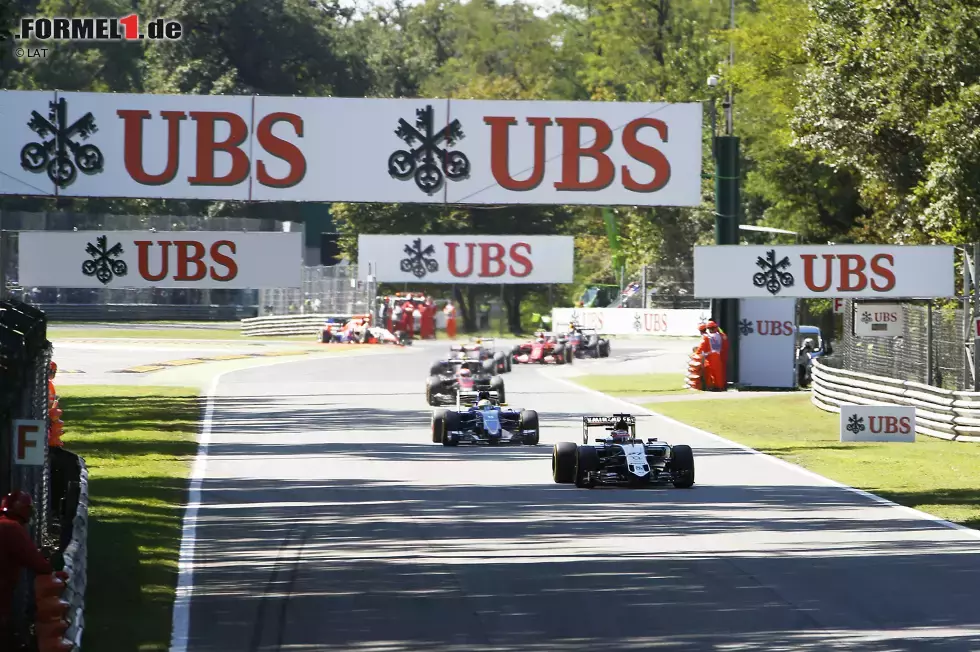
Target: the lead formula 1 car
pixel 479 418
pixel 621 459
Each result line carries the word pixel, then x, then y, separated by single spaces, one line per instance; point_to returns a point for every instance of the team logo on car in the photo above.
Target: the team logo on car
pixel 60 151
pixel 427 161
pixel 772 277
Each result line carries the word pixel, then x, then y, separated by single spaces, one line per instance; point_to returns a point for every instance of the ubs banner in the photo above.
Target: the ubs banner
pixel 164 259
pixel 824 271
pixel 632 321
pixel 767 343
pixel 466 259
pixel 328 149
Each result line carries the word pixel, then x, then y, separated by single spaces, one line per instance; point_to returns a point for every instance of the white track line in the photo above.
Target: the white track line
pixel 180 632
pixel 775 460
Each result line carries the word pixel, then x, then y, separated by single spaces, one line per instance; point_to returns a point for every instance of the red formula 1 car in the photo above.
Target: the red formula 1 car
pixel 546 348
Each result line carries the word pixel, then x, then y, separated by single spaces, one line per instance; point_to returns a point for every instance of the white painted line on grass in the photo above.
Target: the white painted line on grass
pixel 771 458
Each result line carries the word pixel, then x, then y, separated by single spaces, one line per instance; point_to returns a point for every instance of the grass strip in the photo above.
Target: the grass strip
pixel 635 384
pixel 165 334
pixel 933 475
pixel 138 444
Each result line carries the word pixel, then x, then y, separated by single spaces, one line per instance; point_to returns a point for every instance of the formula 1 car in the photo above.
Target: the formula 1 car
pixel 546 349
pixel 480 419
pixel 480 350
pixel 621 459
pixel 448 377
pixel 587 343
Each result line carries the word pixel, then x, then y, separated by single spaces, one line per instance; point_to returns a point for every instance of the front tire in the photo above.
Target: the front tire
pixel 438 426
pixel 563 462
pixel 529 421
pixel 452 423
pixel 586 462
pixel 432 388
pixel 682 466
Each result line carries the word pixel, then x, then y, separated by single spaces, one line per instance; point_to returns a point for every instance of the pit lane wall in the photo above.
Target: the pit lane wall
pixel 632 321
pixel 941 413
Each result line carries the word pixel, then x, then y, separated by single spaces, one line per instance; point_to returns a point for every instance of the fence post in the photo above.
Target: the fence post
pixel 930 376
pixel 644 287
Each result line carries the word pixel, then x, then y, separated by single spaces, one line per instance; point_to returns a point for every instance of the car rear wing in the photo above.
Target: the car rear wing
pixel 608 423
pixel 471 397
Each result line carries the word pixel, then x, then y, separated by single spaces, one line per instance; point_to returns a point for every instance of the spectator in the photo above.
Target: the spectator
pixel 17 552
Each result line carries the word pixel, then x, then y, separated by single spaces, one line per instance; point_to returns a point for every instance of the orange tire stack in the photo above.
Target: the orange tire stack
pixel 695 372
pixel 52 609
pixel 55 427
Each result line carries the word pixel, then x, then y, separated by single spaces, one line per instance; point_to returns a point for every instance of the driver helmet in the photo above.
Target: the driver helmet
pixel 540 340
pixel 484 404
pixel 464 372
pixel 808 343
pixel 620 431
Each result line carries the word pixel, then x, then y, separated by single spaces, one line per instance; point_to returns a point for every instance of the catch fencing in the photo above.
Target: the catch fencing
pixel 25 354
pixel 932 349
pixel 664 286
pixel 327 289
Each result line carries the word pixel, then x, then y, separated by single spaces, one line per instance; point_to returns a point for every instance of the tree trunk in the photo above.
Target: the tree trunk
pixel 467 307
pixel 513 296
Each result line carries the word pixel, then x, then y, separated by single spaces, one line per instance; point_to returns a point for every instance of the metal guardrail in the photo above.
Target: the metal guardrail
pixel 941 413
pixel 76 563
pixel 287 324
pixel 145 312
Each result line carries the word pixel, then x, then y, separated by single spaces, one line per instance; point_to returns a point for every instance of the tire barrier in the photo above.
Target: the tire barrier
pixel 695 372
pixel 941 413
pixel 287 324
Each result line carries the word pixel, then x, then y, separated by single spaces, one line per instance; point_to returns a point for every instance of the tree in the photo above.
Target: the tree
pixel 891 91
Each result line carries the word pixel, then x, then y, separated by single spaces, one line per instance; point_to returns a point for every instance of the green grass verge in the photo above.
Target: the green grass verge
pixel 933 475
pixel 138 444
pixel 164 334
pixel 636 384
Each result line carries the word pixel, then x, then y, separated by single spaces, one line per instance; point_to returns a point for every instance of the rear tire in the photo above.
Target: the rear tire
pixel 438 426
pixel 529 421
pixel 682 466
pixel 500 360
pixel 490 366
pixel 603 349
pixel 586 461
pixel 437 368
pixel 432 388
pixel 563 462
pixel 497 385
pixel 560 355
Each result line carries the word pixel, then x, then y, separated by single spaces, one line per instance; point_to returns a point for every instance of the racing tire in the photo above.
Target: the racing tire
pixel 437 368
pixel 490 366
pixel 603 349
pixel 452 423
pixel 438 425
pixel 563 462
pixel 529 421
pixel 570 357
pixel 682 466
pixel 586 461
pixel 497 385
pixel 501 362
pixel 432 388
pixel 560 355
pixel 509 362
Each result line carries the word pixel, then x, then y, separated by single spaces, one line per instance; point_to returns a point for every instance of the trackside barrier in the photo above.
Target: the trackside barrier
pixel 695 372
pixel 287 324
pixel 941 413
pixel 76 562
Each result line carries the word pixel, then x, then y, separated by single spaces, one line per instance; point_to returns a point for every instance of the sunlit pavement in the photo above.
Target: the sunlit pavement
pixel 330 521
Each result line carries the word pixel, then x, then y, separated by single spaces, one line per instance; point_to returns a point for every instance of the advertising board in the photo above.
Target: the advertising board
pixel 824 271
pixel 767 343
pixel 162 259
pixel 329 149
pixel 632 321
pixel 467 259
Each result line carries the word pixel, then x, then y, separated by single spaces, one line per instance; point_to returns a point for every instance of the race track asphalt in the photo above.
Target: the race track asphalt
pixel 328 520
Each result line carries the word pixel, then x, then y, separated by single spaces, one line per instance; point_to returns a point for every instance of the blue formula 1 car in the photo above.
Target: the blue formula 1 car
pixel 479 418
